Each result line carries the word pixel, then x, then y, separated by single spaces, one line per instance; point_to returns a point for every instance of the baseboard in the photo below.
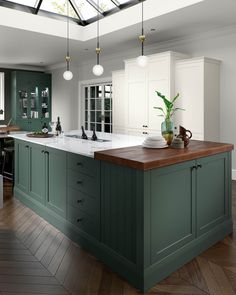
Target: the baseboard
pixel 233 174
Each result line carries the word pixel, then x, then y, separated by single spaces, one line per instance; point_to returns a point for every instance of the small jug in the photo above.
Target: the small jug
pixel 183 134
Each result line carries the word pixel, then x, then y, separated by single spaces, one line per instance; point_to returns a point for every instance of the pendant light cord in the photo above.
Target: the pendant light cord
pixel 142 31
pixel 98 42
pixel 68 44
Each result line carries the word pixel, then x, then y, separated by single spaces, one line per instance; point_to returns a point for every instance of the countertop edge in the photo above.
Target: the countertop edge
pixel 158 163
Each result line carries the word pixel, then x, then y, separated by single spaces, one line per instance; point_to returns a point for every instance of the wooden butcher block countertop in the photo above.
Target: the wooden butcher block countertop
pixel 142 158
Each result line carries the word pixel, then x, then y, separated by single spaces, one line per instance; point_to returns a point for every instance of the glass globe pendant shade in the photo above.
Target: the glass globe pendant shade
pixel 98 70
pixel 142 61
pixel 67 75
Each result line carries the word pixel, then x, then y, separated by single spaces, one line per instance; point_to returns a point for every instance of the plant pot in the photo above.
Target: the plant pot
pixel 167 131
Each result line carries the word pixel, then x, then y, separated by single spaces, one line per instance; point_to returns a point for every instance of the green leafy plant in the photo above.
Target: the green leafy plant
pixel 169 106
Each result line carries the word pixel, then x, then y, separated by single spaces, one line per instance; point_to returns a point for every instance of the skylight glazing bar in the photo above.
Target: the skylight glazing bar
pixel 38 6
pixel 73 5
pixel 92 3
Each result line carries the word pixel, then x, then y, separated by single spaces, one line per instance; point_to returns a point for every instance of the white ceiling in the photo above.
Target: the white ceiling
pixel 22 47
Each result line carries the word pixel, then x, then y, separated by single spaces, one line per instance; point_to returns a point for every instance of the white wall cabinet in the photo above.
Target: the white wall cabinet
pixel 196 79
pixel 137 105
pixel 119 102
pixel 198 82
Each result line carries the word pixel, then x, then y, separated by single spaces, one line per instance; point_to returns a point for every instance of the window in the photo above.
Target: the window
pixel 97 101
pixel 81 11
pixel 2 96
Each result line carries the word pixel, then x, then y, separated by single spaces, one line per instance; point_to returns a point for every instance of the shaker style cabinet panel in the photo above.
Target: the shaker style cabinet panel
pixel 31 99
pixel 172 209
pixel 37 176
pixel 212 195
pixel 119 103
pixel 198 82
pixel 40 173
pixel 22 165
pixel 56 180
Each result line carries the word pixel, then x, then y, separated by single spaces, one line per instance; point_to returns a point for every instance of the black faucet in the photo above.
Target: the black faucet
pixel 84 136
pixel 94 136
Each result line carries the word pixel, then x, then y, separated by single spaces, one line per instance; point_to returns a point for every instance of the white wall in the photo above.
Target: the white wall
pixel 65 98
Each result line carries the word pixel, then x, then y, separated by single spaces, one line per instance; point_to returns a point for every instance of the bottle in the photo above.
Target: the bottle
pixel 45 128
pixel 58 126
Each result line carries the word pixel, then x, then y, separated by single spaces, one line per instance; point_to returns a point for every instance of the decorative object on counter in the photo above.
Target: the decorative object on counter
pixel 98 69
pixel 58 127
pixel 184 136
pixel 142 60
pixel 84 136
pixel 155 142
pixel 45 128
pixel 53 127
pixel 67 75
pixel 167 127
pixel 177 143
pixel 40 134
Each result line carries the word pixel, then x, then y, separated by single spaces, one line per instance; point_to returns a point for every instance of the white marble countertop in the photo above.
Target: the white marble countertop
pixel 81 146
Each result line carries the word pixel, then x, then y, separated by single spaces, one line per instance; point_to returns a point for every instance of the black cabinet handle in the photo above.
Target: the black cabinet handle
pixel 79 201
pixel 145 132
pixel 27 146
pixel 193 167
pixel 145 126
pixel 79 219
pixel 79 181
pixel 79 164
pixel 42 151
pixel 199 166
pixel 46 152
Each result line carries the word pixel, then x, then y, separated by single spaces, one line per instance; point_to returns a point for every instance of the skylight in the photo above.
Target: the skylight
pixel 81 11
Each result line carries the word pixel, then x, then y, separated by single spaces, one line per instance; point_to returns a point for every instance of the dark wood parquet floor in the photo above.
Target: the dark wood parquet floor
pixel 35 258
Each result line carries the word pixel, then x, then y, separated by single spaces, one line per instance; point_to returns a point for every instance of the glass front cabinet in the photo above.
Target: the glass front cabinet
pixel 31 99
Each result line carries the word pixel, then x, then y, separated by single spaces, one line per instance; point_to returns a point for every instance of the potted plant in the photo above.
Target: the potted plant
pixel 167 126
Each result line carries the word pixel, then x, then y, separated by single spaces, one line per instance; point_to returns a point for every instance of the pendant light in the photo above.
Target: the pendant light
pixel 98 69
pixel 68 75
pixel 142 60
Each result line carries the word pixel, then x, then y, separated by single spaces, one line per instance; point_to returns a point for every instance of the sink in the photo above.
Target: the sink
pixel 89 138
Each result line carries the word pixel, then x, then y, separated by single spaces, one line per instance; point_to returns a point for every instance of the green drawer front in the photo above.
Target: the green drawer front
pixel 84 183
pixel 83 164
pixel 84 202
pixel 83 221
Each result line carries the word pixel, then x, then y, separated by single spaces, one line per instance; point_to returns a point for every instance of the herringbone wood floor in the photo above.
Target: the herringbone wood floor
pixel 35 258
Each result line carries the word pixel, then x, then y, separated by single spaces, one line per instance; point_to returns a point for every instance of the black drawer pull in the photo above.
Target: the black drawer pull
pixel 79 201
pixel 145 126
pixel 199 166
pixel 42 151
pixel 79 181
pixel 27 146
pixel 145 133
pixel 79 219
pixel 79 164
pixel 193 167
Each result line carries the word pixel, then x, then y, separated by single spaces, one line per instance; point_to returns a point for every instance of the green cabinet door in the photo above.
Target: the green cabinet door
pixel 172 209
pixel 213 191
pixel 22 165
pixel 56 181
pixel 37 176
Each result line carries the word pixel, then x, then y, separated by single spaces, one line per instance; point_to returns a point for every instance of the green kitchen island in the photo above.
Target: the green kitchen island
pixel 143 212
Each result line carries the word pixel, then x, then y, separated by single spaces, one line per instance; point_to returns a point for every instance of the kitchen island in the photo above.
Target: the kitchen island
pixel 143 212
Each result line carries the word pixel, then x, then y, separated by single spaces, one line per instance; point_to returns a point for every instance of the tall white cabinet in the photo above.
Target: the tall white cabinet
pixel 137 104
pixel 198 82
pixel 196 79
